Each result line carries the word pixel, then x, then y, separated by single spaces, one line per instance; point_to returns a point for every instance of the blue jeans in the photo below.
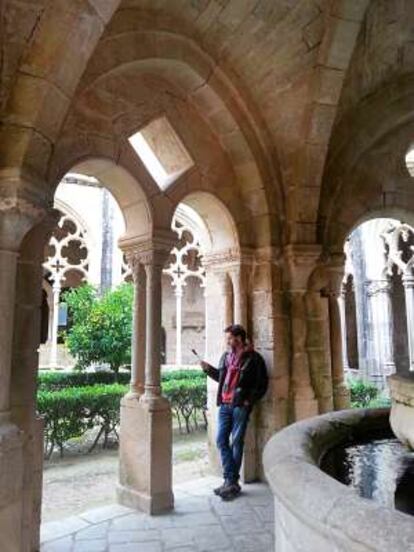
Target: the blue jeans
pixel 232 422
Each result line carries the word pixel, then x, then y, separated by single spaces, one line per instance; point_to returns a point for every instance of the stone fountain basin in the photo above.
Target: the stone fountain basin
pixel 313 511
pixel 402 408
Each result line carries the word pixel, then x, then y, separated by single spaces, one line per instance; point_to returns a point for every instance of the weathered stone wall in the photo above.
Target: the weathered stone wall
pixel 253 90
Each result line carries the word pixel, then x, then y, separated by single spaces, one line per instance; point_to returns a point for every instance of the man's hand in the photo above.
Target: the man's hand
pixel 204 366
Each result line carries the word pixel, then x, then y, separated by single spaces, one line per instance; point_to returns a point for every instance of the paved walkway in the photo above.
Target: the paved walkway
pixel 201 522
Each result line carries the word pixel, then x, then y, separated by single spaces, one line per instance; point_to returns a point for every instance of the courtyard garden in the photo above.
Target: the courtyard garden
pixel 77 406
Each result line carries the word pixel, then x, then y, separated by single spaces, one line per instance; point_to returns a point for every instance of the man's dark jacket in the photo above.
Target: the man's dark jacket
pixel 253 379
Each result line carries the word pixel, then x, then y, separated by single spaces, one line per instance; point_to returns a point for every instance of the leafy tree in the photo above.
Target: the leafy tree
pixel 79 301
pixel 102 326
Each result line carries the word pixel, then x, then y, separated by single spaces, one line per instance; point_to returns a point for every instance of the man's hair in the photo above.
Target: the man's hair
pixel 236 330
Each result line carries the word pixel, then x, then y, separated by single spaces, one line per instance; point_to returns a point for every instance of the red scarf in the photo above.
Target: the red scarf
pixel 233 362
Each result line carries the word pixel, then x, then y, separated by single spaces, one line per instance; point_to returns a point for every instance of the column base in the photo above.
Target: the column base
pixel 213 453
pixel 150 504
pixel 145 456
pixel 11 488
pixel 31 427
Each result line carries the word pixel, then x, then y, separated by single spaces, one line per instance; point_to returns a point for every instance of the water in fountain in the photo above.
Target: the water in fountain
pixel 381 470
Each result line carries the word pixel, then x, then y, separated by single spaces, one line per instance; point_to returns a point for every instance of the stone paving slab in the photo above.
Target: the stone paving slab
pixel 201 522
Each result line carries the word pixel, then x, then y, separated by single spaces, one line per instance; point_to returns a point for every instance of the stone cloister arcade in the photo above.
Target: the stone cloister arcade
pixel 276 105
pixel 82 252
pixel 376 301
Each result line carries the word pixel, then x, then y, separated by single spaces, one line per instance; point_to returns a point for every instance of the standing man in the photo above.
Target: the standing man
pixel 243 380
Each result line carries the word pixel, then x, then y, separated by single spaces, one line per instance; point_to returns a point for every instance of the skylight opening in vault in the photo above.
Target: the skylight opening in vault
pixel 162 152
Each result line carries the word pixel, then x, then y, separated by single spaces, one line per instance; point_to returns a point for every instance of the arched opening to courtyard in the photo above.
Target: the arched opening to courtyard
pixel 204 263
pixel 376 300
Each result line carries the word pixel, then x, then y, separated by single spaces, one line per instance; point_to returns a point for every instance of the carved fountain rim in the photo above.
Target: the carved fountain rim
pixel 317 505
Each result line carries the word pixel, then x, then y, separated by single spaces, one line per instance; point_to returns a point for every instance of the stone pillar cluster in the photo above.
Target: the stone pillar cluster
pixel 317 376
pixel 333 292
pixel 25 363
pixel 227 277
pixel 381 323
pixel 146 425
pixel 23 234
pixel 301 262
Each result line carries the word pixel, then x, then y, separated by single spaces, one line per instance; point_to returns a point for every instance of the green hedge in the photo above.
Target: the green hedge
pixel 54 381
pixel 188 398
pixel 362 393
pixel 69 412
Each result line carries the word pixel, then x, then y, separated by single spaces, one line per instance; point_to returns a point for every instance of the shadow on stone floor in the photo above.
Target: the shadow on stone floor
pixel 201 522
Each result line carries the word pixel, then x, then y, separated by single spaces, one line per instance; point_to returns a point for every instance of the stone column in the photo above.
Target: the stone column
pixel 342 314
pixel 379 293
pixel 305 404
pixel 219 314
pixel 179 322
pixel 138 327
pixel 153 269
pixel 408 281
pixel 301 261
pixel 15 222
pixel 318 349
pixel 227 295
pixel 146 423
pixel 8 264
pixel 55 322
pixel 239 296
pixel 49 299
pixel 340 391
pixel 11 437
pixel 25 362
pixel 249 466
pixel 335 273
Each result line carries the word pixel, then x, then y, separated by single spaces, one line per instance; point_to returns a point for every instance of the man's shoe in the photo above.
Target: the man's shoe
pixel 218 490
pixel 230 491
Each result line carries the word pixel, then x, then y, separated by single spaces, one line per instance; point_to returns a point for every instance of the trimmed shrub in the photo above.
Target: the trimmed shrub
pixel 70 411
pixel 54 381
pixel 187 398
pixel 180 374
pixel 362 393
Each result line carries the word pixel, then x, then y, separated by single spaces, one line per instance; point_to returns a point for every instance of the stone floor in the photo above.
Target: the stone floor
pixel 201 522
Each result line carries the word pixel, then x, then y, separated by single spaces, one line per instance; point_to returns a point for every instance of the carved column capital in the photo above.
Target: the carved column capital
pixel 222 259
pixel 136 266
pixel 408 280
pixel 154 251
pixel 376 287
pixel 301 260
pixel 17 217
